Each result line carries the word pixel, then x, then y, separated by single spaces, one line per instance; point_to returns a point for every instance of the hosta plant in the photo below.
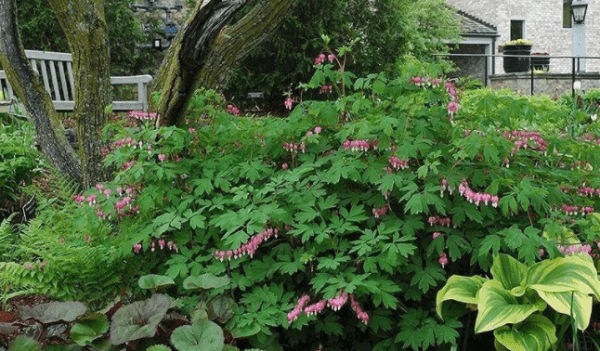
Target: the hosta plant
pixel 513 302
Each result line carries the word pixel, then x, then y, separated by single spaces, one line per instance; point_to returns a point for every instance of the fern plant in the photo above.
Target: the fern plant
pixel 64 259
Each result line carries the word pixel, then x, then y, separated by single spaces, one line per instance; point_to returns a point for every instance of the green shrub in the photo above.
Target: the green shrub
pixel 367 201
pixel 63 258
pixel 18 161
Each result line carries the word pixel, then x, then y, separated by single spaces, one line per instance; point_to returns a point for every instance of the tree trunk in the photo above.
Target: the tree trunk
pixel 31 92
pixel 205 51
pixel 84 25
pixel 202 54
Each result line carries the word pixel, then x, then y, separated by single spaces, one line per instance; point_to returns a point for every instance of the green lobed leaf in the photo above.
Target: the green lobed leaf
pixel 536 333
pixel 461 289
pixel 498 307
pixel 204 336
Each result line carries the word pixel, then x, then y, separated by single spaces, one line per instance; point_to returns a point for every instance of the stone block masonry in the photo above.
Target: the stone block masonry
pixel 551 84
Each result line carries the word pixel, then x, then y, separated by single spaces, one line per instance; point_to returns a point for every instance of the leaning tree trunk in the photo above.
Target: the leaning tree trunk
pixel 84 25
pixel 205 51
pixel 36 100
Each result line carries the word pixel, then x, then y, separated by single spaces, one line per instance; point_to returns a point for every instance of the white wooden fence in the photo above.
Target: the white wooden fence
pixel 56 74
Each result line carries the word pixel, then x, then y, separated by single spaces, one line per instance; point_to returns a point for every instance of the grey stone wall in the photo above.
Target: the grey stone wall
pixel 551 84
pixel 543 26
pixel 470 66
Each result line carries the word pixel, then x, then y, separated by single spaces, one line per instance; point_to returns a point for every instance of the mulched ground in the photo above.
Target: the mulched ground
pixel 13 311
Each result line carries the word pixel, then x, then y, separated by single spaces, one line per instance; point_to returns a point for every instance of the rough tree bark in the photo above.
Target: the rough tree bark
pixel 31 91
pixel 84 25
pixel 205 51
pixel 203 54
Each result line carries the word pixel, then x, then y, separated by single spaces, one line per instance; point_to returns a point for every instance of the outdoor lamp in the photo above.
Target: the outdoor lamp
pixel 578 10
pixel 157 44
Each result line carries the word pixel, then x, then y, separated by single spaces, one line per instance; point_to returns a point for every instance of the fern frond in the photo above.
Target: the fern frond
pixel 65 188
pixel 7 235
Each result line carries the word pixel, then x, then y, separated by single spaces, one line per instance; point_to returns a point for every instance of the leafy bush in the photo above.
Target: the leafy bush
pixel 368 200
pixel 63 258
pixel 18 160
pixel 382 32
pixel 39 30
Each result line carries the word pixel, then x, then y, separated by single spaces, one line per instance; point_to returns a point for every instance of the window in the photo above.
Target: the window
pixel 566 13
pixel 517 29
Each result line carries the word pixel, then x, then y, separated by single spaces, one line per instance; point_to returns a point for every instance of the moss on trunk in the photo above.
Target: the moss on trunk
pixel 31 92
pixel 84 24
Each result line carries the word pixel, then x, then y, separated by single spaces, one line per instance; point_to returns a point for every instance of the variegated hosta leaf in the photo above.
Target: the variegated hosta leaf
pixel 461 289
pixel 571 273
pixel 561 302
pixel 508 271
pixel 498 307
pixel 536 333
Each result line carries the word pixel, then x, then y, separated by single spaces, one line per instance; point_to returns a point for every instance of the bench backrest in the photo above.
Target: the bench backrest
pixel 56 74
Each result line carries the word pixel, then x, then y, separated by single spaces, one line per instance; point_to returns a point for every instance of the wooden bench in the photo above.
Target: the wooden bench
pixel 56 73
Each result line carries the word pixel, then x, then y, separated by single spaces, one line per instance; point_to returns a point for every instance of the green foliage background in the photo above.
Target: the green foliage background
pixel 218 181
pixel 383 32
pixel 40 30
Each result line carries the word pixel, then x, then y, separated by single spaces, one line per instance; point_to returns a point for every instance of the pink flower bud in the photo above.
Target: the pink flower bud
pixel 443 260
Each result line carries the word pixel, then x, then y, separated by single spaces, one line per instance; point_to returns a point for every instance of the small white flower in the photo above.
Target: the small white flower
pixel 594 117
pixel 577 85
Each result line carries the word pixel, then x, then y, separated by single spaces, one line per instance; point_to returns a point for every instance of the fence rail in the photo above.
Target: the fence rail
pixel 576 72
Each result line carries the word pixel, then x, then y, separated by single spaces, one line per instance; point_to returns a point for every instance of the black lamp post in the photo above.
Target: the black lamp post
pixel 578 11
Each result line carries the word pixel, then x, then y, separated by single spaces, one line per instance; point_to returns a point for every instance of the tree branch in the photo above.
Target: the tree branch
pixel 203 54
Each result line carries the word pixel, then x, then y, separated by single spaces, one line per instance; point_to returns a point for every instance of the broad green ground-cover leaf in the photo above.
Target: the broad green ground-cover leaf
pixel 23 343
pixel 205 281
pixel 139 319
pixel 154 281
pixel 204 336
pixel 54 311
pixel 88 329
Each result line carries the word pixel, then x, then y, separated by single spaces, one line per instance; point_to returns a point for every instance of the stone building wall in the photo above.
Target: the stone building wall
pixel 470 66
pixel 543 25
pixel 551 84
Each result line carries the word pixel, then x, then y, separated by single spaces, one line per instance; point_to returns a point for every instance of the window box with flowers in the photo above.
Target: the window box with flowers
pixel 540 61
pixel 519 47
